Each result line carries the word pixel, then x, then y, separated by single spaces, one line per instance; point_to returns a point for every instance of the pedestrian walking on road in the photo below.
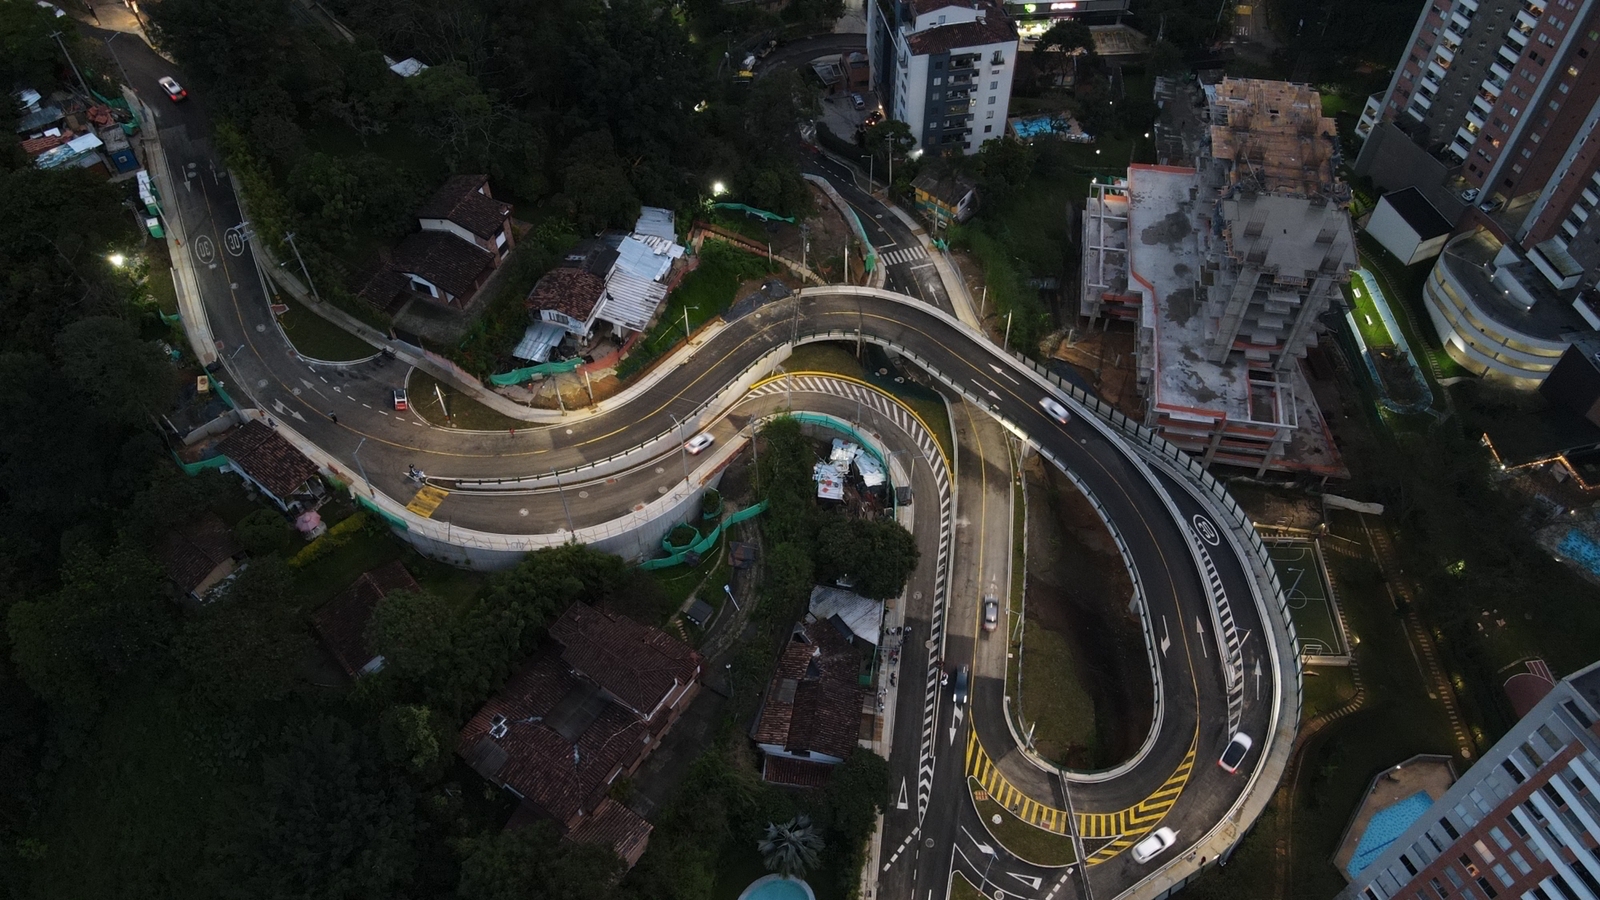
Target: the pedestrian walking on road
pixel 333 417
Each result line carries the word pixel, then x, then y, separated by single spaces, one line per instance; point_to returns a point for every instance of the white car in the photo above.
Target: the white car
pixel 1056 410
pixel 699 442
pixel 1234 753
pixel 1159 840
pixel 174 90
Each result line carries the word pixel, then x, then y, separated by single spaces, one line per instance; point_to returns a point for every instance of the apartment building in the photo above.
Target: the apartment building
pixel 1490 114
pixel 1521 823
pixel 944 67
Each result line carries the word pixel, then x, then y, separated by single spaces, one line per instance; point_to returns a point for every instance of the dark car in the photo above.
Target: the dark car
pixel 960 692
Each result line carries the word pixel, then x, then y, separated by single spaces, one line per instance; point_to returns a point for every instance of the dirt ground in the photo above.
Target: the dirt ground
pixel 1078 587
pixel 826 231
pixel 1104 357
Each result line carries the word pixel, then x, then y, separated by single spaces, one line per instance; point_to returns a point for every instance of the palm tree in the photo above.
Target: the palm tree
pixel 791 848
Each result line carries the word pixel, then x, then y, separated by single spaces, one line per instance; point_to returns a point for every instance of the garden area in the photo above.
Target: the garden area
pixel 704 294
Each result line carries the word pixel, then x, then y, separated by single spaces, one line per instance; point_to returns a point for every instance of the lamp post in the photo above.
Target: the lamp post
pixel 686 311
pixel 728 589
pixel 564 508
pixel 289 236
pixel 988 851
pixel 683 449
pixel 359 466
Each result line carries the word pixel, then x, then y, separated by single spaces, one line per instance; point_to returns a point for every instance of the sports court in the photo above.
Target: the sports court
pixel 1305 586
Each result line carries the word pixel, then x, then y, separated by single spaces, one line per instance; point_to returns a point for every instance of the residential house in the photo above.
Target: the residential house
pixel 342 621
pixel 811 715
pixel 270 464
pixel 198 557
pixel 465 234
pixel 943 199
pixel 579 715
pixel 618 280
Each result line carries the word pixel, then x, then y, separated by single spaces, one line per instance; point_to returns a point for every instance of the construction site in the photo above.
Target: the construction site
pixel 1222 266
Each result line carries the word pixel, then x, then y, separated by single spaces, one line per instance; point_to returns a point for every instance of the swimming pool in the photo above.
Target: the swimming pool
pixel 776 887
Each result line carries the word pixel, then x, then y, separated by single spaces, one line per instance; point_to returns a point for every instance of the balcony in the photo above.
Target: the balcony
pixel 1445 54
pixel 1469 5
pixel 1452 38
pixel 1590 197
pixel 1526 22
pixel 1422 101
pixel 1429 87
pixel 1499 75
pixel 1490 89
pixel 1435 71
pixel 1481 106
pixel 1463 140
pixel 1459 23
pixel 1474 121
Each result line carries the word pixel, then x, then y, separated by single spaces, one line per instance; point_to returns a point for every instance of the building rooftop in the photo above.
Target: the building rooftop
pixel 1503 292
pixel 571 292
pixel 637 664
pixel 267 458
pixel 190 554
pixel 1423 217
pixel 813 704
pixel 342 621
pixel 461 201
pixel 443 259
pixel 995 27
pixel 1276 136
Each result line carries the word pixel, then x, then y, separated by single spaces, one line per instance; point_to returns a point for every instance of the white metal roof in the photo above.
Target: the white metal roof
pixel 538 341
pixel 654 221
pixel 630 302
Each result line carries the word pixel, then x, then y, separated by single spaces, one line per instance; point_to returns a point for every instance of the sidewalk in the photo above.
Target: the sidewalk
pixel 191 308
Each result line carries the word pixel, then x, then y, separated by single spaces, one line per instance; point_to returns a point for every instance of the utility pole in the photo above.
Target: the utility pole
pixel 1007 341
pixel 563 492
pixel 289 236
pixel 847 260
pixel 361 467
pixel 74 65
pixel 117 59
pixel 683 448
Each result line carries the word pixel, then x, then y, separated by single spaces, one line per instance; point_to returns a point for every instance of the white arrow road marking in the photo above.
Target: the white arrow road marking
pixel 1166 637
pixel 283 410
pixel 1002 373
pixel 1258 679
pixel 1200 629
pixel 1032 881
pixel 904 803
pixel 955 724
pixel 986 389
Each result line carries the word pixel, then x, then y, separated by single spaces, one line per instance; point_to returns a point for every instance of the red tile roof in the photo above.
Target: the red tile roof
pixel 796 772
pixel 192 553
pixel 38 145
pixel 445 260
pixel 995 28
pixel 342 621
pixel 561 776
pixel 616 826
pixel 461 202
pixel 814 702
pixel 572 292
pixel 636 664
pixel 268 458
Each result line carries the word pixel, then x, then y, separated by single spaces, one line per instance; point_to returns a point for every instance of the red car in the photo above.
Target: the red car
pixel 400 402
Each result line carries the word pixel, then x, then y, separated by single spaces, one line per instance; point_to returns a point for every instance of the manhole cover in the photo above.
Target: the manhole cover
pixel 662 489
pixel 523 511
pixel 261 383
pixel 260 328
pixel 916 595
pixel 569 431
pixel 928 843
pixel 583 494
pixel 996 819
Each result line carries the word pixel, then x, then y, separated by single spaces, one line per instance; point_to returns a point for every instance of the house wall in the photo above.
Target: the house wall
pixel 451 227
pixel 1394 233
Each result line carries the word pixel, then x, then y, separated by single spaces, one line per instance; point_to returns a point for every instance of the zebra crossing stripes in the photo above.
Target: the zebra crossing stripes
pixel 1119 829
pixel 903 255
pixel 1203 533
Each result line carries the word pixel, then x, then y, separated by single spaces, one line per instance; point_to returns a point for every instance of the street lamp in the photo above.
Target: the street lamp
pixel 686 311
pixel 117 259
pixel 988 851
pixel 718 189
pixel 683 449
pixel 357 457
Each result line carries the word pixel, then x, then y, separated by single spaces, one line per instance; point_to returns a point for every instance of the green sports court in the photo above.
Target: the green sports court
pixel 1305 587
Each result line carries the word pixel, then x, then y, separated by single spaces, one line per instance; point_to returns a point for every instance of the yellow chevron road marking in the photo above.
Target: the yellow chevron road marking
pixel 427 500
pixel 1122 828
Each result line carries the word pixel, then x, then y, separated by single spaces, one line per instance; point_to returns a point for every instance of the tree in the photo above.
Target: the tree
pixel 890 135
pixel 791 848
pixel 879 555
pixel 263 533
pixel 533 862
pixel 123 378
pixel 246 646
pixel 415 737
pixel 1068 46
pixel 28 55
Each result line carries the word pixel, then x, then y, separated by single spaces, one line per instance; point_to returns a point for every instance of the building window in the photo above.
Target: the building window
pixel 994 85
pixel 1450 829
pixel 1563 87
pixel 991 101
pixel 990 115
pixel 938 81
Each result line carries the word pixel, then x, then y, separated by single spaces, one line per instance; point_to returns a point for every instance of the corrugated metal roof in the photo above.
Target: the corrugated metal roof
pixel 538 341
pixel 640 260
pixel 630 302
pixel 655 221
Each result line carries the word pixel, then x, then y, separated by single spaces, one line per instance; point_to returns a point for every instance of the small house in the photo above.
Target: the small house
pixel 942 199
pixel 200 556
pixel 341 623
pixel 270 464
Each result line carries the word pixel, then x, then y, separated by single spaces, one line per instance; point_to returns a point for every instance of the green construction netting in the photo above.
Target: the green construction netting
pixel 518 376
pixel 705 543
pixel 195 468
pixel 389 517
pixel 172 319
pixel 752 211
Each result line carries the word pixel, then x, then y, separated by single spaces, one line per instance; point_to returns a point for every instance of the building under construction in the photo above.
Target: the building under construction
pixel 1224 267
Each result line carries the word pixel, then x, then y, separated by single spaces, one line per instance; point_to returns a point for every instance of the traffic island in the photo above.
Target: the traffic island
pixel 1026 842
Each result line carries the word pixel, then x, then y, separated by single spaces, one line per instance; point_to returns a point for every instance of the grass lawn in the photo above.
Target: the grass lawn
pixel 1365 312
pixel 159 282
pixel 317 338
pixel 1402 285
pixel 1032 844
pixel 1326 688
pixel 466 413
pixel 679 582
pixel 1052 698
pixel 841 360
pixel 134 816
pixel 962 889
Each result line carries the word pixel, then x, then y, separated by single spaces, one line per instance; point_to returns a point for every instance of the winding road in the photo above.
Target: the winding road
pixel 1197 592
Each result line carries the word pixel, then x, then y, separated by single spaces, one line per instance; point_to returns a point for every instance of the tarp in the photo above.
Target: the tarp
pixel 518 376
pixel 705 543
pixel 752 211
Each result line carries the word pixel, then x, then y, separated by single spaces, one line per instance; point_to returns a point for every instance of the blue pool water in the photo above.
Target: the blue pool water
pixel 1581 548
pixel 772 887
pixel 1385 826
pixel 1038 125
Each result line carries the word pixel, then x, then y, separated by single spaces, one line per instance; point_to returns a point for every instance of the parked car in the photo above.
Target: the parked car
pixel 1056 410
pixel 874 117
pixel 1234 753
pixel 959 694
pixel 400 401
pixel 991 614
pixel 175 91
pixel 55 10
pixel 699 442
pixel 1159 840
pixel 1469 195
pixel 858 101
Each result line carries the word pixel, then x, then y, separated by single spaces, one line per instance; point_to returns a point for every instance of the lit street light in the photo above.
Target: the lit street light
pixel 116 259
pixel 718 189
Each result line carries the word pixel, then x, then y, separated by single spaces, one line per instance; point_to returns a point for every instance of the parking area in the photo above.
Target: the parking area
pixel 842 116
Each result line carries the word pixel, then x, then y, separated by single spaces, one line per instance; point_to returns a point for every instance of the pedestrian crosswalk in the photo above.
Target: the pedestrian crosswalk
pixel 903 255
